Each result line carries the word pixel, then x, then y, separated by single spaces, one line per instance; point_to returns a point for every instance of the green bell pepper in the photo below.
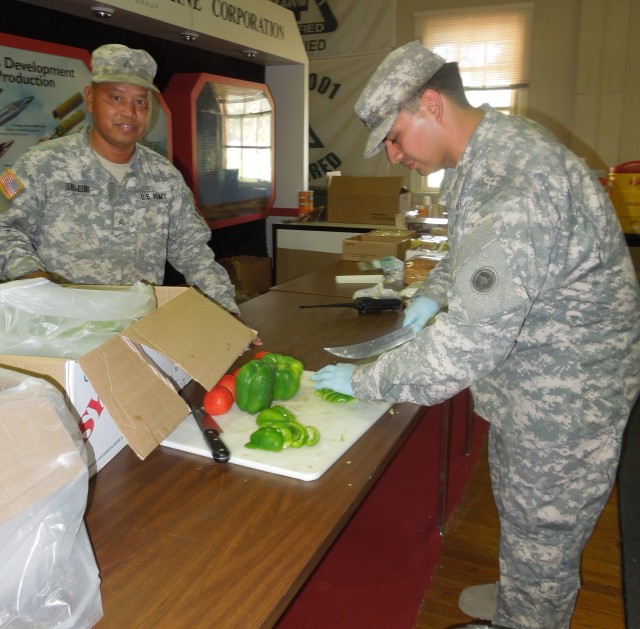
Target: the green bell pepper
pixel 288 373
pixel 254 386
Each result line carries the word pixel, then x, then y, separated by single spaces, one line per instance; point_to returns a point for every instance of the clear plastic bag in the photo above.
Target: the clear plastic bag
pixel 41 318
pixel 48 573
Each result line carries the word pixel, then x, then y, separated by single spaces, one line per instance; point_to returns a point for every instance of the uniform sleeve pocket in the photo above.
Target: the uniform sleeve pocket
pixel 482 276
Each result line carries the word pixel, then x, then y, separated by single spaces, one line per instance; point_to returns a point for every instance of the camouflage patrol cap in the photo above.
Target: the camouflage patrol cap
pixel 398 77
pixel 114 63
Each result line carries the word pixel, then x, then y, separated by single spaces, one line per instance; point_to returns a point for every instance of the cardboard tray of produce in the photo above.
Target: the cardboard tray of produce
pixel 340 426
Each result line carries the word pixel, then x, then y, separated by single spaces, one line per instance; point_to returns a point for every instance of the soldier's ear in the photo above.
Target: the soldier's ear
pixel 88 97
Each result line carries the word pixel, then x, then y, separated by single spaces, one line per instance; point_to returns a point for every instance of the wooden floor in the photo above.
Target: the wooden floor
pixel 470 551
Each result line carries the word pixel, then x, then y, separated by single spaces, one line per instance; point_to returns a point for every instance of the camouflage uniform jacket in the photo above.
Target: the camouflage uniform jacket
pixel 74 219
pixel 542 299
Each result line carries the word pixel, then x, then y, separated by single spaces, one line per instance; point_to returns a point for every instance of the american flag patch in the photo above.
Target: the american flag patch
pixel 10 185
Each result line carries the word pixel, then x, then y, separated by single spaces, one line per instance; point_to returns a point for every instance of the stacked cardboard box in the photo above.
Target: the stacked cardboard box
pixel 377 244
pixel 368 200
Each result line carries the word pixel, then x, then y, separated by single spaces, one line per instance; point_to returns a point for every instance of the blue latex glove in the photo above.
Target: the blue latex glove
pixel 334 377
pixel 419 311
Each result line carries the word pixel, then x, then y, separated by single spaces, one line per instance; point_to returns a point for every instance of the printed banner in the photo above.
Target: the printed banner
pixel 337 137
pixel 345 41
pixel 333 28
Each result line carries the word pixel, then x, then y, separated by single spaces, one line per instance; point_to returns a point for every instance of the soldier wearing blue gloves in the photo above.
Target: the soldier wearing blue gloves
pixel 541 323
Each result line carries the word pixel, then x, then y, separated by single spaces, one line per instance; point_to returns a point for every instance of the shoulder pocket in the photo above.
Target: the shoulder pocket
pixel 482 276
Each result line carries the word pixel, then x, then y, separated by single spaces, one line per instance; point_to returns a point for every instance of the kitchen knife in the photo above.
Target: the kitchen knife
pixel 210 429
pixel 375 346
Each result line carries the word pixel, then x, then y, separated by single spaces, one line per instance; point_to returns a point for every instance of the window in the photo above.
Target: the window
pixel 491 46
pixel 247 138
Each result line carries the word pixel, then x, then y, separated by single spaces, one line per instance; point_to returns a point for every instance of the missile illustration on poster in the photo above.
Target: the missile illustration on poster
pixel 5 146
pixel 76 115
pixel 42 96
pixel 68 106
pixel 14 109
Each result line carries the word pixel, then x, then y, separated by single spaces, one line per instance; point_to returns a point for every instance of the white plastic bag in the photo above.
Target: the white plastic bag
pixel 41 318
pixel 48 573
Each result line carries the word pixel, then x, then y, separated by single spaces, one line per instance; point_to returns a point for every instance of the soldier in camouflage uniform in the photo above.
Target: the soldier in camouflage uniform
pixel 99 208
pixel 541 321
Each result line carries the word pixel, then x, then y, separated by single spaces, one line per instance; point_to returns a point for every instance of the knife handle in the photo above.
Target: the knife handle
pixel 219 450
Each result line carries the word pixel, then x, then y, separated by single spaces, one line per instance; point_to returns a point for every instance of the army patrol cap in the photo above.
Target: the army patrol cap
pixel 115 63
pixel 398 77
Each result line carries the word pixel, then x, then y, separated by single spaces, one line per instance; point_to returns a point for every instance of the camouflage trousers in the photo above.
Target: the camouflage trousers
pixel 549 498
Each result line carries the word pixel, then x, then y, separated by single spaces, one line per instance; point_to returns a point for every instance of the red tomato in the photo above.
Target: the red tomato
pixel 229 382
pixel 217 401
pixel 259 355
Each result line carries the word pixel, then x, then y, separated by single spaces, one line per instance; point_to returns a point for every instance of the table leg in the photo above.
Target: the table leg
pixel 468 434
pixel 443 475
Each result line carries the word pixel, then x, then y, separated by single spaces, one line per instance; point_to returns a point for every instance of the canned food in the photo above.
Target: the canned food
pixel 305 202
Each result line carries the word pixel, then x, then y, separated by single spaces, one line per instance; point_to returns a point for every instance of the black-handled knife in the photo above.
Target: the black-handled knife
pixel 364 305
pixel 211 431
pixel 191 394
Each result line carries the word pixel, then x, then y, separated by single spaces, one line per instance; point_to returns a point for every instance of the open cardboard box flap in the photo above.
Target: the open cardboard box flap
pixel 190 330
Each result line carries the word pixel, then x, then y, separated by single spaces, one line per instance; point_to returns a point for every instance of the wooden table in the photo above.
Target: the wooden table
pixel 323 282
pixel 184 542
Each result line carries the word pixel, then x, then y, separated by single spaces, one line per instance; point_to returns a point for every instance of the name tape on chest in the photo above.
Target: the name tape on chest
pixel 146 195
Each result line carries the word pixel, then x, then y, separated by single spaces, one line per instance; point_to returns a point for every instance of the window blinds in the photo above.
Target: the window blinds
pixel 491 45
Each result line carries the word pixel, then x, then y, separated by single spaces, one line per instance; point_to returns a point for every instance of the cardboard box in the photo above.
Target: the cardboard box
pixel 388 235
pixel 370 200
pixel 125 390
pixel 624 192
pixel 249 274
pixel 419 263
pixel 359 248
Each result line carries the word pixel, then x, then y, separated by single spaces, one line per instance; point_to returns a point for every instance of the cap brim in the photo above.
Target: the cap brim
pixel 375 143
pixel 123 78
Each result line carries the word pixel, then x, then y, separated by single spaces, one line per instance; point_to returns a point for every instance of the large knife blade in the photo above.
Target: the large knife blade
pixel 210 428
pixel 375 346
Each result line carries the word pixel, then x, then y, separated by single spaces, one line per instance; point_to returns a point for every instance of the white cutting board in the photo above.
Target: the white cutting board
pixel 340 426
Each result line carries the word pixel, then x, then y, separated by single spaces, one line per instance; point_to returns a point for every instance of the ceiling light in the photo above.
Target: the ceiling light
pixel 102 11
pixel 249 53
pixel 189 36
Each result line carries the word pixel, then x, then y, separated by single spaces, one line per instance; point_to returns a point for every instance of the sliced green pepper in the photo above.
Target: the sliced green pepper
pixel 254 386
pixel 266 438
pixel 333 396
pixel 298 434
pixel 281 421
pixel 277 413
pixel 313 435
pixel 285 430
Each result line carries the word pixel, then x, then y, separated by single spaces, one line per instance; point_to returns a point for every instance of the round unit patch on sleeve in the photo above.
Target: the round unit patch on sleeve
pixel 483 275
pixel 484 280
